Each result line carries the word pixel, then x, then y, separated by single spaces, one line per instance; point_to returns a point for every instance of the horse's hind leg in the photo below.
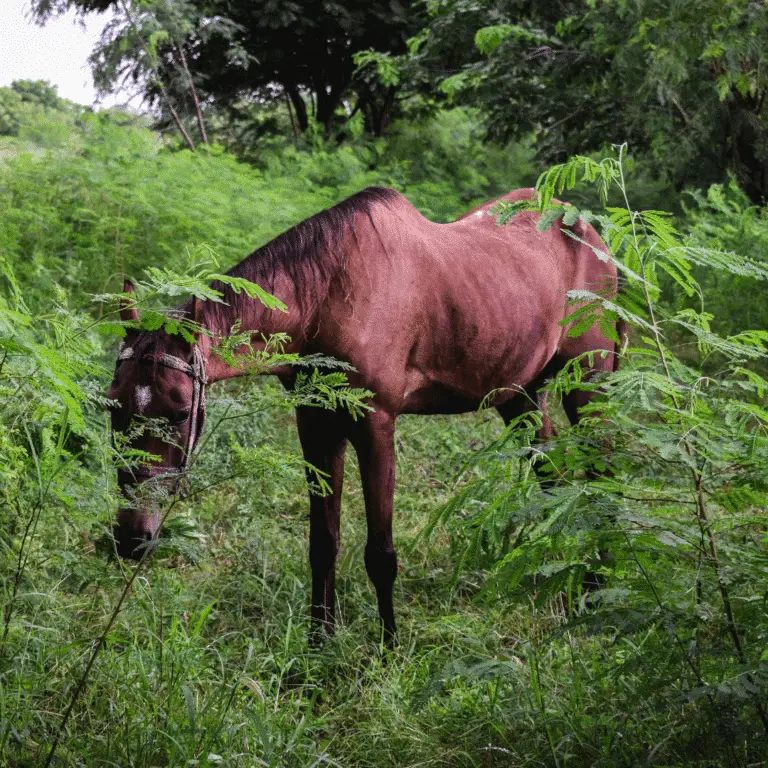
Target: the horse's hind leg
pixel 323 443
pixel 532 399
pixel 591 341
pixel 573 402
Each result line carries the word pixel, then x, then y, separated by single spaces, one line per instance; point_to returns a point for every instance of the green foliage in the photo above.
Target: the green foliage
pixel 199 656
pixel 39 92
pixel 384 65
pixel 488 39
pixel 723 219
pixel 32 110
pixel 10 112
pixel 116 201
pixel 684 83
pixel 254 51
pixel 121 203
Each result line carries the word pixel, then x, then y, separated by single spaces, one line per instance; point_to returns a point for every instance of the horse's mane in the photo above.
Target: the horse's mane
pixel 311 255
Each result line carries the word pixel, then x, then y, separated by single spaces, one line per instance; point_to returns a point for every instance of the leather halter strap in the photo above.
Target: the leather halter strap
pixel 196 371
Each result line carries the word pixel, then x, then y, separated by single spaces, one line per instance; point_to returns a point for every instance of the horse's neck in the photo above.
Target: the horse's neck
pixel 249 316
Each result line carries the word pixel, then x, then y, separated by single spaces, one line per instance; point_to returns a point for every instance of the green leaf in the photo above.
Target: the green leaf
pixel 417 41
pixel 571 216
pixel 252 290
pixel 488 39
pixel 685 281
pixel 111 329
pixel 581 327
pixel 549 217
pixel 455 84
pixel 152 320
pixel 608 329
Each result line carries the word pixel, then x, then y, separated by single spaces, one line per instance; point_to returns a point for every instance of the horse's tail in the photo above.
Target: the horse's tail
pixel 622 326
pixel 622 329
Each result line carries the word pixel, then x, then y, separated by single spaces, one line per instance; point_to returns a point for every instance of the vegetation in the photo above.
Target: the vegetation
pixel 299 55
pixel 199 654
pixel 683 82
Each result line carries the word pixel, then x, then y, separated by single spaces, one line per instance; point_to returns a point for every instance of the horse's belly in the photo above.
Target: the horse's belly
pixel 463 380
pixel 438 400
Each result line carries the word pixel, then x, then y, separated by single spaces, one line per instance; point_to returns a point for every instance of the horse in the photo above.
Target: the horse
pixel 432 318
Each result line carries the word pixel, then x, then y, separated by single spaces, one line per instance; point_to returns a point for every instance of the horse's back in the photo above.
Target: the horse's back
pixel 482 211
pixel 576 246
pixel 441 314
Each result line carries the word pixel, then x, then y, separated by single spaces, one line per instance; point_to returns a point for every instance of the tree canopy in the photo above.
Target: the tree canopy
pixel 231 52
pixel 683 82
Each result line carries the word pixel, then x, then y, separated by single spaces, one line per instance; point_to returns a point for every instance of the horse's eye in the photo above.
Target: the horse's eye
pixel 178 417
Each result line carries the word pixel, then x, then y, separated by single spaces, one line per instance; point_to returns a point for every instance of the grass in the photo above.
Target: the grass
pixel 208 663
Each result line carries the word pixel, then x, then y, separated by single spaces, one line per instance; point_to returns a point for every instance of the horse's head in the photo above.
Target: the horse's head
pixel 159 395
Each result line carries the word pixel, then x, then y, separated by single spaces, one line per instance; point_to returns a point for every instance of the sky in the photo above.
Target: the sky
pixel 57 52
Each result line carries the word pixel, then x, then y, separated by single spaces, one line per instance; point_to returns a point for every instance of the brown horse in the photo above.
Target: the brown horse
pixel 433 317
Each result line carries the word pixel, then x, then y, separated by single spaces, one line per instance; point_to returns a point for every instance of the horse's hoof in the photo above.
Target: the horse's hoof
pixel 388 638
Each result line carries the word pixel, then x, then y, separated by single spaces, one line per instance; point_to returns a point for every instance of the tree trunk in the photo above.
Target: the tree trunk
pixel 750 169
pixel 127 10
pixel 386 111
pixel 298 105
pixel 294 127
pixel 176 118
pixel 378 112
pixel 328 98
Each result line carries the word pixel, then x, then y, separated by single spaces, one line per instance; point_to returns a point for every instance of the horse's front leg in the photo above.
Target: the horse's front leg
pixel 374 441
pixel 323 443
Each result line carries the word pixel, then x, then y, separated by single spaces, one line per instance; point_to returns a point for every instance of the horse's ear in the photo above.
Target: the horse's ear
pixel 197 311
pixel 128 311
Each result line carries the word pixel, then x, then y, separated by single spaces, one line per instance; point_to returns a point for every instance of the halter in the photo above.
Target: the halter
pixel 196 371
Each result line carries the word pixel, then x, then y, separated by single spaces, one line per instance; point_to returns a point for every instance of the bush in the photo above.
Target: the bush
pixel 112 199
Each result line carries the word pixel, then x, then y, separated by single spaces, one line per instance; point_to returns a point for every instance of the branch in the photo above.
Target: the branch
pixel 294 128
pixel 173 112
pixel 193 91
pixel 176 117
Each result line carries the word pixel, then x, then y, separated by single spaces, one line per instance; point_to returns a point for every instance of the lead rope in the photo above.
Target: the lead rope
pixel 199 381
pixel 196 371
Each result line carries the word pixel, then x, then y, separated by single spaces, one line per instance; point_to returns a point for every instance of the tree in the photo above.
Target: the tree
pixel 39 92
pixel 25 99
pixel 298 54
pixel 684 83
pixel 10 112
